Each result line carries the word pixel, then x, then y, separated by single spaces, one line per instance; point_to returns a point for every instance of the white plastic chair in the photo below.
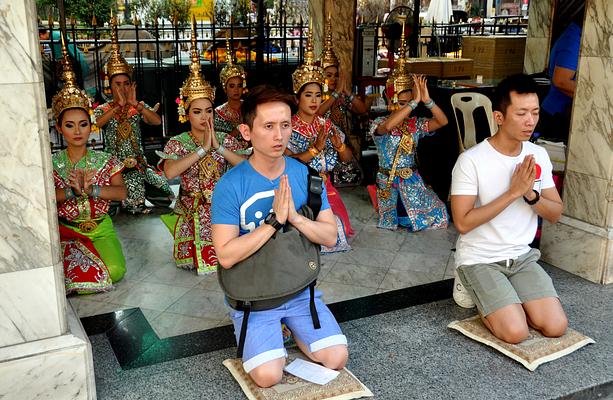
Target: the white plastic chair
pixel 467 103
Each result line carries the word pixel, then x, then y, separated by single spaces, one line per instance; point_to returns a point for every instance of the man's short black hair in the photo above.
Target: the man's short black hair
pixel 519 83
pixel 263 94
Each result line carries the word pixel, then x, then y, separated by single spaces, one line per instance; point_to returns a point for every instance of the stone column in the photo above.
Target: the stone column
pixel 343 14
pixel 538 39
pixel 316 14
pixel 43 349
pixel 582 242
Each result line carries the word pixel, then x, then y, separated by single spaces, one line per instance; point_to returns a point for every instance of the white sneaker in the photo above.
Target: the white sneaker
pixel 460 294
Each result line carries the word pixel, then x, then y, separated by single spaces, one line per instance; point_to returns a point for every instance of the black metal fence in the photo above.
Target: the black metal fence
pixel 447 38
pixel 160 56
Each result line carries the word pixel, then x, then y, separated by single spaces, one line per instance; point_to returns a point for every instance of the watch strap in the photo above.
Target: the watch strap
pixel 272 221
pixel 534 200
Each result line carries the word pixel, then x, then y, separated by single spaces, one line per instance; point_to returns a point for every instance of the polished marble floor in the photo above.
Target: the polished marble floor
pixel 176 302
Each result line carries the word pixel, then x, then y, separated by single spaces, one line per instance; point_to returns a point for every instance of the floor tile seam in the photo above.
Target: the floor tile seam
pixel 421 253
pixel 402 269
pixel 180 286
pixel 447 266
pixel 350 284
pixel 386 265
pixel 385 276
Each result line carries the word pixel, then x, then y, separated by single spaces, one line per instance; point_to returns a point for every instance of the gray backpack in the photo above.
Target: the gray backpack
pixel 282 268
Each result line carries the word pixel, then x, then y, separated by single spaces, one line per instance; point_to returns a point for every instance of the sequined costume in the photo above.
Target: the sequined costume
pixel 347 173
pixel 122 138
pixel 93 258
pixel 190 222
pixel 424 209
pixel 226 120
pixel 303 136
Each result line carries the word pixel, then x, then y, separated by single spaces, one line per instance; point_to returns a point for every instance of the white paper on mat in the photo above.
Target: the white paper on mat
pixel 311 372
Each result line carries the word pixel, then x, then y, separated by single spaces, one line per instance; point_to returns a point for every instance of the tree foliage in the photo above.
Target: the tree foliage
pixel 81 10
pixel 178 10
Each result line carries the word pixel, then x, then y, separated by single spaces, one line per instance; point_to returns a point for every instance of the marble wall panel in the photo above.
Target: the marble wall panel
pixel 57 368
pixel 27 198
pixel 535 58
pixel 591 138
pixel 608 264
pixel 597 38
pixel 316 15
pixel 541 16
pixel 31 378
pixel 584 198
pixel 31 308
pixel 609 201
pixel 539 34
pixel 574 250
pixel 343 16
pixel 20 55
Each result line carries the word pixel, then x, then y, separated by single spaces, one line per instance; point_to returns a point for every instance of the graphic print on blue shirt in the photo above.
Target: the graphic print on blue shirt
pixel 244 197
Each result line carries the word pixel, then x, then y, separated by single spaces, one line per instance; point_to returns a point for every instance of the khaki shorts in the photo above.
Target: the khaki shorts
pixel 514 281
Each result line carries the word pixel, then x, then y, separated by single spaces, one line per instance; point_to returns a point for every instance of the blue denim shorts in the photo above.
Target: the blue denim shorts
pixel 264 340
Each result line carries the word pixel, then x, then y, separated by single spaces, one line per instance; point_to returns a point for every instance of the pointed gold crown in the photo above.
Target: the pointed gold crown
pixel 308 72
pixel 231 70
pixel 400 79
pixel 328 57
pixel 116 63
pixel 195 86
pixel 70 96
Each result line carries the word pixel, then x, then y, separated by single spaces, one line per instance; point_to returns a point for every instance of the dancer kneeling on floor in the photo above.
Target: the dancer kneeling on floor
pixel 499 189
pixel 251 203
pixel 85 183
pixel 199 160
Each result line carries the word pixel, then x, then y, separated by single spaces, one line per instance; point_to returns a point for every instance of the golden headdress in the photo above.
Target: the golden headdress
pixel 400 78
pixel 70 96
pixel 308 72
pixel 328 57
pixel 116 64
pixel 195 86
pixel 231 70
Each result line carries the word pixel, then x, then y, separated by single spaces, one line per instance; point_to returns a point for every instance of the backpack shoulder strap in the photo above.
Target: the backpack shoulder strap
pixel 315 188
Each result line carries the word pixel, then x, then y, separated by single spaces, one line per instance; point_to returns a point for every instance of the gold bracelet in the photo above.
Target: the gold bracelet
pixel 313 151
pixel 342 148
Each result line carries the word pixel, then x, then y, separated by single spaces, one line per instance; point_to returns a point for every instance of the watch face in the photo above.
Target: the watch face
pixel 269 218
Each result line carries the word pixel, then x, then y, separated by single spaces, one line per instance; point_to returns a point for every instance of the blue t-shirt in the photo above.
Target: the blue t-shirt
pixel 565 54
pixel 244 197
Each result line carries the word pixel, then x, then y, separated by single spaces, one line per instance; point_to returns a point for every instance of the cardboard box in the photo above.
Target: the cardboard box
pixel 456 67
pixel 428 66
pixel 495 57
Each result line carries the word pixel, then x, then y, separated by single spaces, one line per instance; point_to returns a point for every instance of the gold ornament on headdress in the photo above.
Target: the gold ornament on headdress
pixel 195 86
pixel 308 72
pixel 116 64
pixel 400 79
pixel 328 57
pixel 231 70
pixel 71 96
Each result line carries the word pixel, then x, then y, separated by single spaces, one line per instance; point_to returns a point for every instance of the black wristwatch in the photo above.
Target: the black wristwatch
pixel 271 219
pixel 534 200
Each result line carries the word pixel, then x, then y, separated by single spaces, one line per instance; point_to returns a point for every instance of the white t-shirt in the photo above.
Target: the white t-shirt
pixel 486 173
